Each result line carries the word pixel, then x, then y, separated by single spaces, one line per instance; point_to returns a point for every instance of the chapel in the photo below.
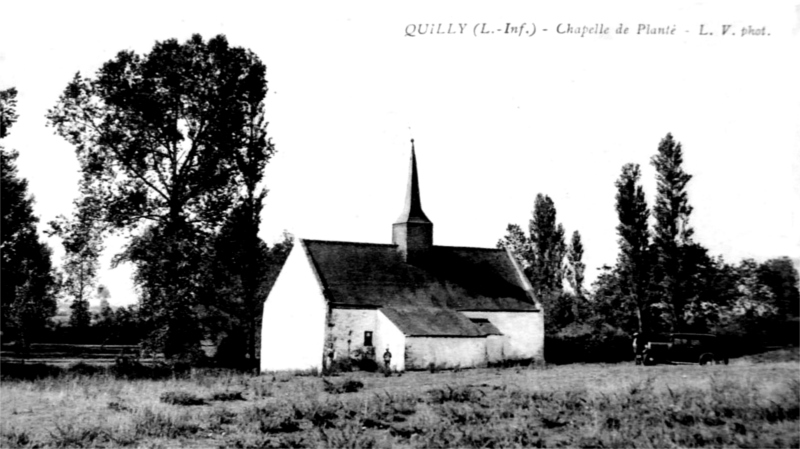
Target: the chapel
pixel 428 305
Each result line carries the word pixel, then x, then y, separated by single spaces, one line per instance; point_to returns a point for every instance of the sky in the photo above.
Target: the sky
pixel 497 118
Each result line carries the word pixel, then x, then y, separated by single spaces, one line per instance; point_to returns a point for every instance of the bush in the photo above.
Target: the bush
pixel 128 368
pixel 148 423
pixel 367 365
pixel 341 365
pixel 465 393
pixel 227 396
pixel 585 343
pixel 347 386
pixel 28 371
pixel 85 369
pixel 181 398
pixel 15 438
pixel 71 435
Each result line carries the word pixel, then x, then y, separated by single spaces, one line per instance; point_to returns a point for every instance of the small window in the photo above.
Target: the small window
pixel 367 338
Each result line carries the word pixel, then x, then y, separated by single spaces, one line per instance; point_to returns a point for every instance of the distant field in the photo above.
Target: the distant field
pixel 753 402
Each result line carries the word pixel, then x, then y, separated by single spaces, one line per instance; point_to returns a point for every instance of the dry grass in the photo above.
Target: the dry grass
pixel 745 404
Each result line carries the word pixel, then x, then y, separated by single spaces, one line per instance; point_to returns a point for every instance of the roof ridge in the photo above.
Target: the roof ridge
pixel 467 247
pixel 340 242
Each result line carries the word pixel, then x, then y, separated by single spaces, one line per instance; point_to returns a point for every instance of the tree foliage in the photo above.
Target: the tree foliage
pixel 633 261
pixel 158 135
pixel 780 276
pixel 8 110
pixel 541 257
pixel 575 266
pixel 237 268
pixel 662 280
pixel 81 237
pixel 540 253
pixel 29 284
pixel 547 242
pixel 168 143
pixel 520 246
pixel 232 315
pixel 672 230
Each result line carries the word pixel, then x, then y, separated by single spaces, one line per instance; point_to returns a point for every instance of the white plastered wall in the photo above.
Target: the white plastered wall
pixel 293 328
pixel 389 335
pixel 445 352
pixel 346 330
pixel 495 345
pixel 524 332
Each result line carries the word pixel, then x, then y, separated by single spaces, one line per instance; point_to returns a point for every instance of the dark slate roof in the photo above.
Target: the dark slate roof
pixel 486 326
pixel 433 322
pixel 375 275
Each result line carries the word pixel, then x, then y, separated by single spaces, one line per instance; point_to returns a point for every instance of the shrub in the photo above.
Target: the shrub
pixel 279 423
pixel 368 365
pixel 347 386
pixel 129 368
pixel 15 439
pixel 271 419
pixel 347 434
pixel 148 423
pixel 586 343
pixel 118 407
pixel 84 369
pixel 71 435
pixel 466 393
pixel 341 365
pixel 28 371
pixel 227 396
pixel 181 398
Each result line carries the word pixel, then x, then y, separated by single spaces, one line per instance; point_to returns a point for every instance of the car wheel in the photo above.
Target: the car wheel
pixel 705 359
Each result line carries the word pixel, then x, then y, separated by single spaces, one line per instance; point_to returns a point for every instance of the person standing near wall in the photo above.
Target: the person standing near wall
pixel 387 360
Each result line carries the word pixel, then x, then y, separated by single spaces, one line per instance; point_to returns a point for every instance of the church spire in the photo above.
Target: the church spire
pixel 413 231
pixel 412 210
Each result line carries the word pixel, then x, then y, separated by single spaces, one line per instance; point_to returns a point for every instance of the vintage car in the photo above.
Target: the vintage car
pixel 686 348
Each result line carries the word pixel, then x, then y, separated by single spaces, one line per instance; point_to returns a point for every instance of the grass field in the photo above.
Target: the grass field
pixel 749 403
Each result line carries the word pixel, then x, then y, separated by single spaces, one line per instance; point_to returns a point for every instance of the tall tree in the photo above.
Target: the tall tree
pixel 82 240
pixel 547 242
pixel 248 254
pixel 672 230
pixel 634 238
pixel 541 253
pixel 29 285
pixel 238 265
pixel 160 138
pixel 575 265
pixel 520 246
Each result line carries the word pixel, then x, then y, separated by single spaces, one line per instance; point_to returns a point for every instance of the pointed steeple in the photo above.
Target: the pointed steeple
pixel 413 231
pixel 412 210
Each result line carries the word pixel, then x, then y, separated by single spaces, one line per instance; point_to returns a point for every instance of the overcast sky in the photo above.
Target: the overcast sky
pixel 497 118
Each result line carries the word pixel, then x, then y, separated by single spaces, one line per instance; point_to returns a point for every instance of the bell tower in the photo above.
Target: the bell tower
pixel 412 232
